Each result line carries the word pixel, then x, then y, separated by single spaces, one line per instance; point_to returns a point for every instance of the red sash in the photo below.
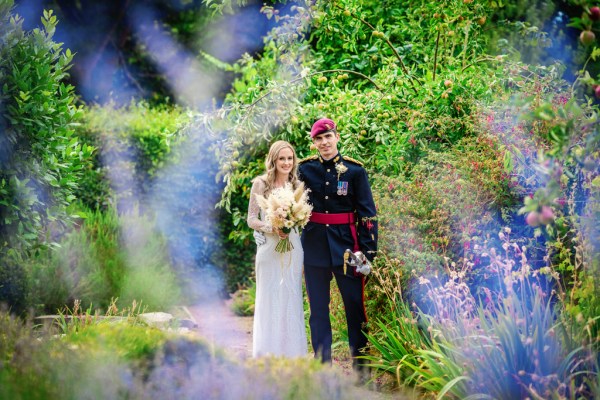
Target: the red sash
pixel 337 219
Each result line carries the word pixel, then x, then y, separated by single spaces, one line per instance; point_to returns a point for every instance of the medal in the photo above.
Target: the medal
pixel 342 188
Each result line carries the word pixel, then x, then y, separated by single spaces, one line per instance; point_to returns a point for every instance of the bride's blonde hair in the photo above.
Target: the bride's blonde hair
pixel 270 164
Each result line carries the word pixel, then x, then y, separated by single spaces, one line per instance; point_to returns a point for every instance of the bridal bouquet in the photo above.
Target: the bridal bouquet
pixel 286 209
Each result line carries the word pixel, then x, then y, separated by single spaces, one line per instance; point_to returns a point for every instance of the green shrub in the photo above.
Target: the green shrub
pixel 14 284
pixel 396 342
pixel 86 265
pixel 154 160
pixel 41 160
pixel 102 260
pixel 149 277
pixel 134 142
pixel 129 342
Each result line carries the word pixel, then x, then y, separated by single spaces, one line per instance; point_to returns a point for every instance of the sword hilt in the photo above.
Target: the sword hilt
pixel 346 256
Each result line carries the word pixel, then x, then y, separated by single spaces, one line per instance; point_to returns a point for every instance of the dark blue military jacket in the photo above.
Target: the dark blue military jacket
pixel 337 191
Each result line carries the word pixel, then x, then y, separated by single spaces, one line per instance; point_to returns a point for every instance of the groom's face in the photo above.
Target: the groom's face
pixel 326 143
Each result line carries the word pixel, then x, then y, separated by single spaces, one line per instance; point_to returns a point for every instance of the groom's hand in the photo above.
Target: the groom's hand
pixel 259 238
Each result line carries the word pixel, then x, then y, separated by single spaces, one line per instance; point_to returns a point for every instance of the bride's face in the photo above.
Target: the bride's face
pixel 284 161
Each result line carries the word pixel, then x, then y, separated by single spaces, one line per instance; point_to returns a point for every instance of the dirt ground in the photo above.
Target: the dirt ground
pixel 217 323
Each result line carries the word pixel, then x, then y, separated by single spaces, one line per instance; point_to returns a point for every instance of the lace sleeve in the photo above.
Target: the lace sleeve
pixel 254 221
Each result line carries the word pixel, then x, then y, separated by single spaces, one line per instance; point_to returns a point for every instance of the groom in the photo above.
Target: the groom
pixel 343 217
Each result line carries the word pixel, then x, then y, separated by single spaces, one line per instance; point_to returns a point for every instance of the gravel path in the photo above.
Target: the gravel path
pixel 219 325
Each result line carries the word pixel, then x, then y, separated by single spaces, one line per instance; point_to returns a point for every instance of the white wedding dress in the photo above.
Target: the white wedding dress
pixel 279 328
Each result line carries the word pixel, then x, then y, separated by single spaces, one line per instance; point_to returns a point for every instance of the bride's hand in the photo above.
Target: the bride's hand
pixel 281 234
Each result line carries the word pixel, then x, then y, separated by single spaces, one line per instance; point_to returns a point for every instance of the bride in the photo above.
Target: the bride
pixel 279 328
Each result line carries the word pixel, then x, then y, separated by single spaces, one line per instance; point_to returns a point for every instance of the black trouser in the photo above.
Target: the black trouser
pixel 351 287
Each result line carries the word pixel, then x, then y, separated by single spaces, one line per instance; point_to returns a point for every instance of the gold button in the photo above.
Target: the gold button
pixel 328 170
pixel 326 224
pixel 326 197
pixel 326 212
pixel 327 183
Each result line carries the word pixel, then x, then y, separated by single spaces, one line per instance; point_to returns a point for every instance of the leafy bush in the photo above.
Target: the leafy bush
pixel 15 286
pixel 41 160
pixel 448 206
pixel 153 159
pixel 134 142
pixel 129 342
pixel 397 342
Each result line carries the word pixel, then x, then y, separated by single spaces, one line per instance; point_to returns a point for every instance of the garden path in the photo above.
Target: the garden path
pixel 217 323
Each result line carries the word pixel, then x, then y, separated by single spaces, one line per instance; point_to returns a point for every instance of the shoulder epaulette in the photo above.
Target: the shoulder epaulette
pixel 309 158
pixel 346 158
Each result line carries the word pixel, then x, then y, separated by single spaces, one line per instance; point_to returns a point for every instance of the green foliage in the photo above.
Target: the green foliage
pixel 448 205
pixel 303 378
pixel 520 30
pixel 124 358
pixel 41 158
pixel 243 299
pixel 106 257
pixel 134 143
pixel 535 355
pixel 531 357
pixel 14 286
pixel 149 276
pixel 392 106
pixel 513 343
pixel 397 342
pixel 563 200
pixel 154 158
pixel 35 366
pixel 127 341
pixel 223 6
pixel 99 356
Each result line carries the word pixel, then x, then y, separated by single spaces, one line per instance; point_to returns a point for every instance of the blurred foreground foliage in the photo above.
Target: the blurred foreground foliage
pixel 117 355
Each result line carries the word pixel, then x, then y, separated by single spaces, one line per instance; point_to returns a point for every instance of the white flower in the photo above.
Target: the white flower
pixel 340 168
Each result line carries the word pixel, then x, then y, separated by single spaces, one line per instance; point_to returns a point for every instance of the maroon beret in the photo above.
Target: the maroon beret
pixel 321 126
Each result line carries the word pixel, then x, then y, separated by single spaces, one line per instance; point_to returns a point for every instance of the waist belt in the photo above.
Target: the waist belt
pixel 337 219
pixel 334 219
